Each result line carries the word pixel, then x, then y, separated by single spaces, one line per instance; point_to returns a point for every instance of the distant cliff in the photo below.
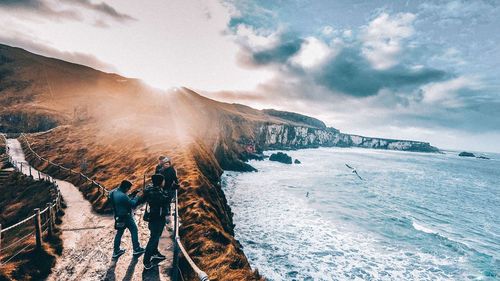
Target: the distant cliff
pixel 284 136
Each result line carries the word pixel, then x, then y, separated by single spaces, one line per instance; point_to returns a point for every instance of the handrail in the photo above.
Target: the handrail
pixel 99 186
pixel 201 274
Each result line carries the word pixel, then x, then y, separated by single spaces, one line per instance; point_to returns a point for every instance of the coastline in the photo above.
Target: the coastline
pixel 275 180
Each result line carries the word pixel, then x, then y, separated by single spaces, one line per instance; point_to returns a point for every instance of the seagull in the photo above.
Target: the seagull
pixel 354 171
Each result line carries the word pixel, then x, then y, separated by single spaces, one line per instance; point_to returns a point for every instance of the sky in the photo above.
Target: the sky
pixel 420 70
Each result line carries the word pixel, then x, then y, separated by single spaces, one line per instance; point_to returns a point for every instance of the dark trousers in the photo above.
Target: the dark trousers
pixel 156 229
pixel 132 227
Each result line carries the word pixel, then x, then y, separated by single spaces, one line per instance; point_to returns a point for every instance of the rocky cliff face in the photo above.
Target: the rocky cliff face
pixel 284 136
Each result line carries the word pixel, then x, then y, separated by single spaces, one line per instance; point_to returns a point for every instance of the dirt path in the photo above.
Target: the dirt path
pixel 88 239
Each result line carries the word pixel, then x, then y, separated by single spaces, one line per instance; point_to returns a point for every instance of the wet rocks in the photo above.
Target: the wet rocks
pixel 281 157
pixel 296 161
pixel 466 154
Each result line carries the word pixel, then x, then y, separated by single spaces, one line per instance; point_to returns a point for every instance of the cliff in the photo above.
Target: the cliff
pixel 282 136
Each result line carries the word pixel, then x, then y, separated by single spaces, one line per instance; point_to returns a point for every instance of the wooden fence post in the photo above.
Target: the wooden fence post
pixel 0 236
pixel 51 220
pixel 38 229
pixel 144 182
pixel 39 177
pixel 21 167
pixel 58 202
pixel 30 173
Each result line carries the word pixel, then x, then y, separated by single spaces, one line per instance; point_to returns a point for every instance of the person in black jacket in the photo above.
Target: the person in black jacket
pixel 157 204
pixel 166 169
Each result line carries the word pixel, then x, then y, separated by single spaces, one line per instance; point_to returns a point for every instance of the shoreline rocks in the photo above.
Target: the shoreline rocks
pixel 466 154
pixel 281 157
pixel 482 157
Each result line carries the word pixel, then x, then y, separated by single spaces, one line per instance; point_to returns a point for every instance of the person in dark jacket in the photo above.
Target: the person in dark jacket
pixel 157 203
pixel 122 207
pixel 168 172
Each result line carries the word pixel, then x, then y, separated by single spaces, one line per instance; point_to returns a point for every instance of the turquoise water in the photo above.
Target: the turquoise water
pixel 414 216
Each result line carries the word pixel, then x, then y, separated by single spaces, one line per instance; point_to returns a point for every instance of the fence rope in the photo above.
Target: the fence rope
pixel 88 179
pixel 15 255
pixel 202 276
pixel 18 224
pixel 17 241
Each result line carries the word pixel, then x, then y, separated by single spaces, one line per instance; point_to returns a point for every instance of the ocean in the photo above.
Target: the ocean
pixel 411 216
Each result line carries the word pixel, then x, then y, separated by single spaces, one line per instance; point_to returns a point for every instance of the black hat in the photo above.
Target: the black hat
pixel 125 184
pixel 157 179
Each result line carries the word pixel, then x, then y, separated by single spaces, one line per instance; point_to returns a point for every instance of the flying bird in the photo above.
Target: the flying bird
pixel 354 171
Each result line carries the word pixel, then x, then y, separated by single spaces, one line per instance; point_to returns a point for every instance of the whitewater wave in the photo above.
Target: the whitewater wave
pixel 422 228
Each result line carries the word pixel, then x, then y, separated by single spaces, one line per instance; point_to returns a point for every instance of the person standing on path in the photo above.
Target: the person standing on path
pixel 156 212
pixel 166 169
pixel 122 207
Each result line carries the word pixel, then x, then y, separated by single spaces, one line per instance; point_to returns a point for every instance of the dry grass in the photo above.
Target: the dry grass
pixel 20 195
pixel 31 264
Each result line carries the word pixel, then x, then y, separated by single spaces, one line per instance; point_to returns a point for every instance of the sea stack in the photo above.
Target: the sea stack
pixel 281 157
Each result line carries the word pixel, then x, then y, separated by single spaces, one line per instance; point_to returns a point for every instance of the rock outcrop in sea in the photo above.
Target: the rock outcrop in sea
pixel 482 157
pixel 281 157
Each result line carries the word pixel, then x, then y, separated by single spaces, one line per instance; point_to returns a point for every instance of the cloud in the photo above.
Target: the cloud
pixel 48 9
pixel 447 92
pixel 253 39
pixel 382 39
pixel 40 8
pixel 328 31
pixel 278 54
pixel 351 74
pixel 102 8
pixel 312 53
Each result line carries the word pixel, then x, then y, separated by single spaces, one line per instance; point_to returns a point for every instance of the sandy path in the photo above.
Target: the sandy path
pixel 88 239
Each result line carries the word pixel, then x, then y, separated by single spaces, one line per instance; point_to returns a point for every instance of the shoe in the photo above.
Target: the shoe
pixel 158 256
pixel 118 254
pixel 139 251
pixel 149 265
